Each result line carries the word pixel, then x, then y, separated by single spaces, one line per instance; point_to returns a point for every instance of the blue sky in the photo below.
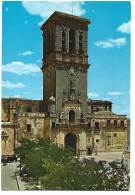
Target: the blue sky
pixel 108 48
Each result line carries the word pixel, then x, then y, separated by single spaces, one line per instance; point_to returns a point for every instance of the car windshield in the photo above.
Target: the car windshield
pixel 106 164
pixel 118 160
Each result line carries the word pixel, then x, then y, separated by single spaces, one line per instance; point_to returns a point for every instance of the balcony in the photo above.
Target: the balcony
pixel 71 126
pixel 30 114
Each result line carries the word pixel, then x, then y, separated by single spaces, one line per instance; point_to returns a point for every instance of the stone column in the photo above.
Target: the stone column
pixel 58 38
pixel 83 143
pixel 67 39
pixel 77 41
pixel 60 139
pixel 85 39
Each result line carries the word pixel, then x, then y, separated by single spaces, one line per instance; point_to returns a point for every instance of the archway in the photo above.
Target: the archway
pixel 72 116
pixel 71 140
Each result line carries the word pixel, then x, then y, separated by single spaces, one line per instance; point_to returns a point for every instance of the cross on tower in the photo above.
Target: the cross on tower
pixel 72 9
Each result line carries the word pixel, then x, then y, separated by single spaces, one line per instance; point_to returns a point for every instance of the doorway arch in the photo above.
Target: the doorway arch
pixel 71 141
pixel 71 116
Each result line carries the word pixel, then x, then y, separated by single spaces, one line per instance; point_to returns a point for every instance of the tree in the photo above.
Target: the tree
pixel 32 155
pixel 26 145
pixel 58 169
pixel 77 175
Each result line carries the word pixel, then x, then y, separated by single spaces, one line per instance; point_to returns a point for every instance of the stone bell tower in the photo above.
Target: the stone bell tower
pixel 64 67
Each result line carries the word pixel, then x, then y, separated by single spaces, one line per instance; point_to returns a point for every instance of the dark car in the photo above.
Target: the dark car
pixel 102 162
pixel 23 172
pixel 4 161
pixel 11 158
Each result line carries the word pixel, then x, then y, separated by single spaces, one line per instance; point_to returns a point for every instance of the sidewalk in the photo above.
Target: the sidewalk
pixel 108 156
pixel 26 183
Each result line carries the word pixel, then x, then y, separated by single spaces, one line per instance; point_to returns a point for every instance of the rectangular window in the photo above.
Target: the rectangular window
pixel 115 122
pixel 122 123
pixel 53 125
pixel 115 134
pixel 97 140
pixel 108 123
pixel 29 109
pixel 28 128
pixel 96 125
pixel 89 125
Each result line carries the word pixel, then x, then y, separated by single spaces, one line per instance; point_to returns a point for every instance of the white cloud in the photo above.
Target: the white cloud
pixel 38 61
pixel 45 8
pixel 9 85
pixel 17 96
pixel 26 53
pixel 115 93
pixel 125 111
pixel 6 9
pixel 125 27
pixel 20 68
pixel 111 43
pixel 40 23
pixel 107 98
pixel 93 94
pixel 26 22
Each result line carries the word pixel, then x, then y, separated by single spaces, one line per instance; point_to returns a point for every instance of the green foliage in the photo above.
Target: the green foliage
pixel 77 175
pixel 32 155
pixel 26 146
pixel 58 169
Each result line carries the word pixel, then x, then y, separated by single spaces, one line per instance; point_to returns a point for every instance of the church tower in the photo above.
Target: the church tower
pixel 64 67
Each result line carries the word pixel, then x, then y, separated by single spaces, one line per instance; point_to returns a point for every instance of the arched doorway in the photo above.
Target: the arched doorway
pixel 71 140
pixel 72 116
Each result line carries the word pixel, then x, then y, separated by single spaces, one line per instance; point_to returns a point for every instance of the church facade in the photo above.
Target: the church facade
pixel 65 114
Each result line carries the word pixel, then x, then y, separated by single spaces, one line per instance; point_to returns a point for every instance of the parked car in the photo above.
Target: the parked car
pixel 11 158
pixel 117 163
pixel 4 161
pixel 105 164
pixel 102 161
pixel 118 160
pixel 90 158
pixel 23 172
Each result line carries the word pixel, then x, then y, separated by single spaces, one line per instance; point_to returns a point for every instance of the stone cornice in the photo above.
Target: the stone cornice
pixel 62 65
pixel 68 20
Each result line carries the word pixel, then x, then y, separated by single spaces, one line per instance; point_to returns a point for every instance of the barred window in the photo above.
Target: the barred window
pixel 108 122
pixel 28 128
pixel 115 122
pixel 96 125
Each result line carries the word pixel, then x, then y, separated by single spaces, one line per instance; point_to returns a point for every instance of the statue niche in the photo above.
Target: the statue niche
pixel 72 93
